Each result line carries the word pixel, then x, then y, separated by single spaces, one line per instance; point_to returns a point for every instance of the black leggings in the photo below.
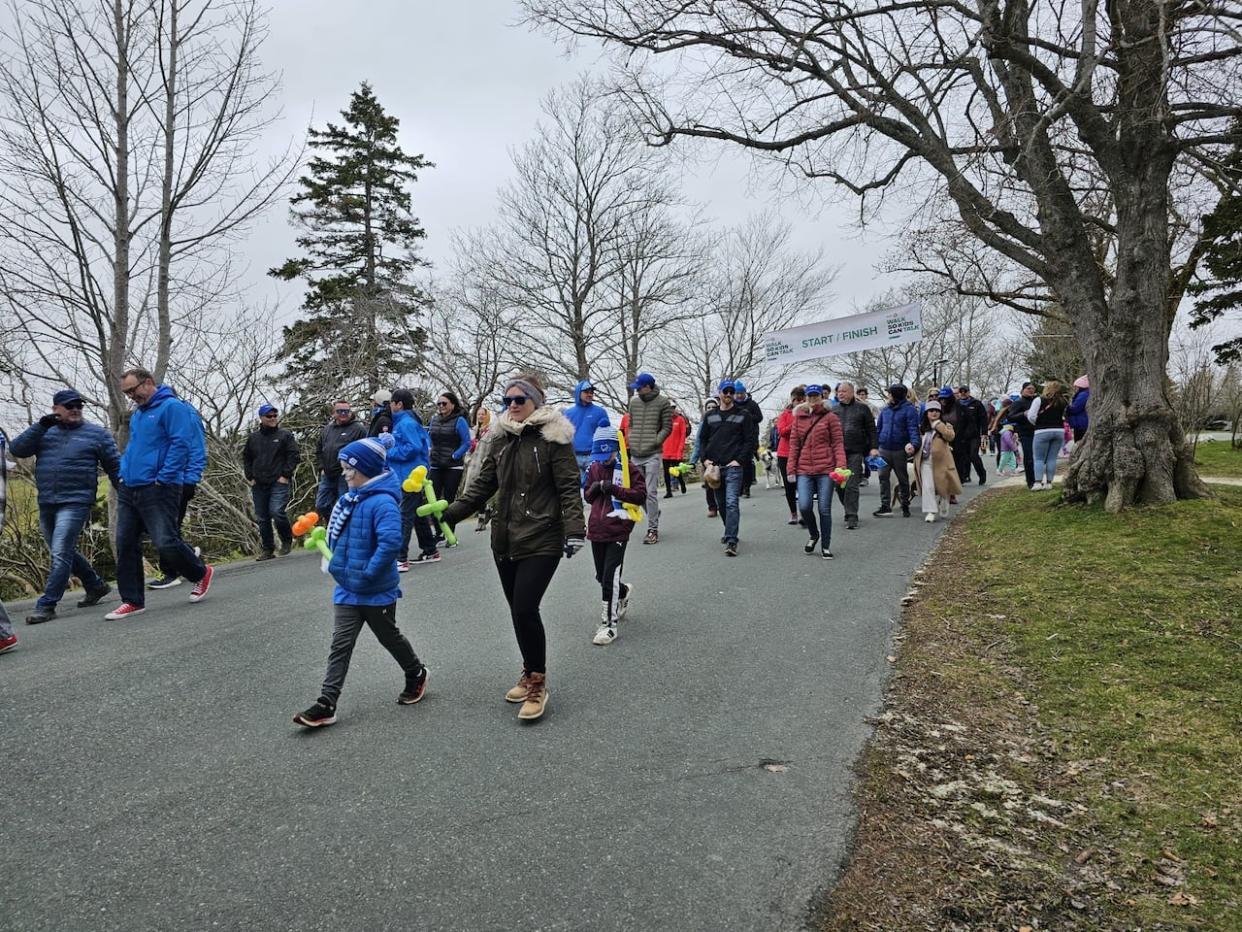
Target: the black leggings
pixel 671 480
pixel 446 482
pixel 791 488
pixel 524 582
pixel 710 493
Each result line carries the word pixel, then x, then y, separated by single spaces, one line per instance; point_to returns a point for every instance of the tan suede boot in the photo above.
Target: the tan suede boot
pixel 518 692
pixel 536 698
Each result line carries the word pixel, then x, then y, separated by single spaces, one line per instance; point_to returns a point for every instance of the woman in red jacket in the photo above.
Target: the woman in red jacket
pixel 674 452
pixel 816 448
pixel 784 425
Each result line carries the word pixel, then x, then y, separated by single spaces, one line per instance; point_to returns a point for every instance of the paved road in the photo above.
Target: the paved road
pixel 152 779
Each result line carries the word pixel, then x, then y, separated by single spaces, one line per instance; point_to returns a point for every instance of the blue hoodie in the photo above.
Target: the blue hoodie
pixel 364 555
pixel 165 435
pixel 411 446
pixel 1076 413
pixel 586 418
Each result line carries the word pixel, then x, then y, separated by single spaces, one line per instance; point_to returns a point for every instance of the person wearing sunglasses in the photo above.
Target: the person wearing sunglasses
pixel 343 429
pixel 450 442
pixel 270 457
pixel 69 453
pixel 531 464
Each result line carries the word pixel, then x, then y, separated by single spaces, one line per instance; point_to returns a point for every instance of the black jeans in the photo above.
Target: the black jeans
pixel 609 560
pixel 446 481
pixel 187 493
pixel 671 480
pixel 410 521
pixel 1027 440
pixel 791 488
pixel 150 510
pixel 524 582
pixel 849 494
pixel 710 494
pixel 346 627
pixel 894 462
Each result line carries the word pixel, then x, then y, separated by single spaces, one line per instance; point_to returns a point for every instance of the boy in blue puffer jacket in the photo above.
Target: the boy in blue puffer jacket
pixel 364 535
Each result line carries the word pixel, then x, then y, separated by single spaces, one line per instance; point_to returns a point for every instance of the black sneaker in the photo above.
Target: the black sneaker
pixel 414 689
pixel 810 545
pixel 793 521
pixel 430 556
pixel 321 713
pixel 730 550
pixel 40 615
pixel 265 555
pixel 285 547
pixel 826 553
pixel 884 511
pixel 93 596
pixel 167 581
pixel 905 511
pixel 852 524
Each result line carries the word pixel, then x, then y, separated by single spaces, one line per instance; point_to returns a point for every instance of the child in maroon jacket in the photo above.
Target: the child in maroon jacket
pixel 609 527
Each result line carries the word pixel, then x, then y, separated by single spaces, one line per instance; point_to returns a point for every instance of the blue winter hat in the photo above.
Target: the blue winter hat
pixel 739 386
pixel 266 409
pixel 1014 396
pixel 945 392
pixel 369 456
pixel 815 390
pixel 644 380
pixel 604 443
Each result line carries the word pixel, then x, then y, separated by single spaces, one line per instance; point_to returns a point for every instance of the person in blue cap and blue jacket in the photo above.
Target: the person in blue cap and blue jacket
pixel 69 453
pixel 587 417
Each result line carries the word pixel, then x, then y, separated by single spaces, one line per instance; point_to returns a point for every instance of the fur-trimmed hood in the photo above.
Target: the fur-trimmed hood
pixel 555 426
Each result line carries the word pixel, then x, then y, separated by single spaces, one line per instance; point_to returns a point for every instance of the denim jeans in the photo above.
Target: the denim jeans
pixel 61 525
pixel 728 500
pixel 1045 448
pixel 584 461
pixel 150 510
pixel 6 626
pixel 410 521
pixel 822 487
pixel 330 490
pixel 270 502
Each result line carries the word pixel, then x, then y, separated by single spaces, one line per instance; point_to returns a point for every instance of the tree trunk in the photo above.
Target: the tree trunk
pixel 118 344
pixel 1135 451
pixel 164 343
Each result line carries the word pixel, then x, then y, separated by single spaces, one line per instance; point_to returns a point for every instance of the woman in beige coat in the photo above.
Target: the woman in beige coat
pixel 934 471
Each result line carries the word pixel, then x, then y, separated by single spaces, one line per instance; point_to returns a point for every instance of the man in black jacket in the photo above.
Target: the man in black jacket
pixel 726 439
pixel 972 426
pixel 747 403
pixel 858 432
pixel 343 429
pixel 270 456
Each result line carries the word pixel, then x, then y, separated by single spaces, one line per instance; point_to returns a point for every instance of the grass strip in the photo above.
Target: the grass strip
pixel 1061 747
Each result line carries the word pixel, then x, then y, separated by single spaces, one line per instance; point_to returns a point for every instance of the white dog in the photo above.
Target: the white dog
pixel 771 474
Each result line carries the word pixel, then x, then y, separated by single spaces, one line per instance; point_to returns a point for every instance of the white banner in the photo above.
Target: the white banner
pixel 890 327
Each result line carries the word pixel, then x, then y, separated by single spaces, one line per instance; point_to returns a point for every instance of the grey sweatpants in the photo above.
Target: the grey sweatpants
pixel 346 627
pixel 651 466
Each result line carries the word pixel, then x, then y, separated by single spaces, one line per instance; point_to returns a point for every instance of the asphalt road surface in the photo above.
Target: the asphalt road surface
pixel 695 774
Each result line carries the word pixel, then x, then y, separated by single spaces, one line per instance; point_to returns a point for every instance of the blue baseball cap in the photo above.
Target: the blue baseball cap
pixel 644 380
pixel 945 392
pixel 726 385
pixel 815 390
pixel 66 395
pixel 266 409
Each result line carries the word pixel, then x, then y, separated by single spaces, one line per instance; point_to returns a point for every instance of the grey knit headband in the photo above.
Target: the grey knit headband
pixel 534 394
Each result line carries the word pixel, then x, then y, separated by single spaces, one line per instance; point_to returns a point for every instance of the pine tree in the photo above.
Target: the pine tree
pixel 360 332
pixel 1222 260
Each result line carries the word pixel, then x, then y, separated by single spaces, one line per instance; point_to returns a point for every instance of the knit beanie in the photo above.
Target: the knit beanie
pixel 529 389
pixel 604 443
pixel 369 456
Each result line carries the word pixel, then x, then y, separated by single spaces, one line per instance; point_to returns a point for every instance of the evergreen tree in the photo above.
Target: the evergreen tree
pixel 1222 260
pixel 360 332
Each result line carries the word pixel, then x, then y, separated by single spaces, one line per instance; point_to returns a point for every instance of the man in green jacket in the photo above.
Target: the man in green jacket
pixel 651 421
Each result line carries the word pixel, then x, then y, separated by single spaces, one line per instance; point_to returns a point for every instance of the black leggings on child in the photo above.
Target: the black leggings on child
pixel 609 557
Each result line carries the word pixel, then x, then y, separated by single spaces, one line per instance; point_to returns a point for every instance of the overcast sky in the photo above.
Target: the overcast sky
pixel 466 82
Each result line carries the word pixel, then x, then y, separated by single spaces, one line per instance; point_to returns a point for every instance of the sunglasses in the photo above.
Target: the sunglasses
pixel 518 400
pixel 73 406
pixel 443 404
pixel 728 391
pixel 267 415
pixel 344 411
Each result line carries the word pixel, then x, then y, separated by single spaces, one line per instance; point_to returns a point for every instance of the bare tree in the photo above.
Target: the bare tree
pixel 1007 107
pixel 125 129
pixel 758 283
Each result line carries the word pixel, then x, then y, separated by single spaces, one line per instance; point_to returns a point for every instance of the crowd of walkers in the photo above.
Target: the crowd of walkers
pixel 530 473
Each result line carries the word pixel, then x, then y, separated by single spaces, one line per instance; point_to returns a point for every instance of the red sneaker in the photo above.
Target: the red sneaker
pixel 124 611
pixel 201 587
pixel 7 644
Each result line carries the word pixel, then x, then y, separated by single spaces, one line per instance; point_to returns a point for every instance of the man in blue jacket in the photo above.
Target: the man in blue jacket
pixel 411 449
pixel 586 416
pixel 164 435
pixel 898 432
pixel 193 476
pixel 69 452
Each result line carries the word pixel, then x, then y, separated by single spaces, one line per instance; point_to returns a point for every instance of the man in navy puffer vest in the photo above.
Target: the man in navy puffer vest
pixel 69 452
